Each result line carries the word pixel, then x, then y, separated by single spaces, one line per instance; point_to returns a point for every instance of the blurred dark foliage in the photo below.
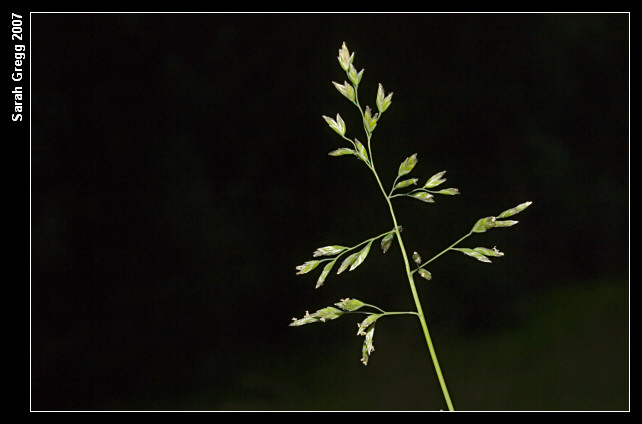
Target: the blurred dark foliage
pixel 180 173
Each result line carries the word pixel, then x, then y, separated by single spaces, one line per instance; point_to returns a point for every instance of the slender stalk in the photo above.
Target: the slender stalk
pixel 413 288
pixel 442 252
pixel 382 312
pixel 401 313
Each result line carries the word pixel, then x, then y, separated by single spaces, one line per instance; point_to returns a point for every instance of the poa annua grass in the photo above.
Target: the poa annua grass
pixel 348 258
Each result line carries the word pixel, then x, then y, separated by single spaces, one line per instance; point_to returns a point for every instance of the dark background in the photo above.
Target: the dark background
pixel 179 173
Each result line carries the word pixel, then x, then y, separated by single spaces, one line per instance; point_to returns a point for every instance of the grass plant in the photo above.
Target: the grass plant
pixel 342 258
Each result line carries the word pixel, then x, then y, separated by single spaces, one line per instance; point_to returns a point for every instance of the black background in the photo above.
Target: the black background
pixel 179 173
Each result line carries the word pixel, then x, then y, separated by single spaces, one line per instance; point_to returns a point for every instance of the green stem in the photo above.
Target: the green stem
pixel 349 249
pixel 411 281
pixel 442 252
pixel 375 307
pixel 413 288
pixel 400 313
pixel 382 312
